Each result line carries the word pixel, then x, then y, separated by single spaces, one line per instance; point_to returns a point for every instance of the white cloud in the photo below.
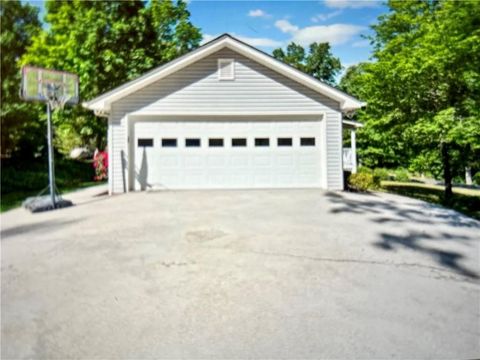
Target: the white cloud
pixel 254 41
pixel 325 17
pixel 334 34
pixel 258 41
pixel 361 43
pixel 258 13
pixel 353 4
pixel 285 26
pixel 207 38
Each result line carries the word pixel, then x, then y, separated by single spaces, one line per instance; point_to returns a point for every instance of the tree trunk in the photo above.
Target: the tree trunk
pixel 447 175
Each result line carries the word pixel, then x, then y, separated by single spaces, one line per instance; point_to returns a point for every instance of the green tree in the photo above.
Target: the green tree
pixel 293 55
pixel 318 62
pixel 375 145
pixel 352 80
pixel 423 89
pixel 18 119
pixel 107 43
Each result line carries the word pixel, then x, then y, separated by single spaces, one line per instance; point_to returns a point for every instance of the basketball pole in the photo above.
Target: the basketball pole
pixel 51 170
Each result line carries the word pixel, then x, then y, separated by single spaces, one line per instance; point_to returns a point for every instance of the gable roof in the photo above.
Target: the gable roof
pixel 102 103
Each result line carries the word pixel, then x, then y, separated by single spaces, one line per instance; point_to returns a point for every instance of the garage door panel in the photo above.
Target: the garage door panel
pixel 239 179
pixel 167 161
pixel 193 162
pixel 285 180
pixel 215 179
pixel 286 126
pixel 191 176
pixel 249 166
pixel 307 160
pixel 262 161
pixel 239 127
pixel 307 179
pixel 262 180
pixel 216 161
pixel 285 160
pixel 239 162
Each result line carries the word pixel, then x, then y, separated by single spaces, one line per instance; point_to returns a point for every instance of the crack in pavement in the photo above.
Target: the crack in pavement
pixel 440 272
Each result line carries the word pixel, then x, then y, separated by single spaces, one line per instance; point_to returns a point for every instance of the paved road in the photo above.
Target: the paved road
pixel 237 274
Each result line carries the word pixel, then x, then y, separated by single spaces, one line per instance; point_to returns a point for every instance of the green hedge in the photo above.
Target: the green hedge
pixel 18 176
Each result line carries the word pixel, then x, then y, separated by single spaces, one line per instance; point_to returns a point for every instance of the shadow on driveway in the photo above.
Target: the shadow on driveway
pixel 35 227
pixel 385 211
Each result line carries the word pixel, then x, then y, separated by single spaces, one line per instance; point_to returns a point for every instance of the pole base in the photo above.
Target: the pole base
pixel 44 203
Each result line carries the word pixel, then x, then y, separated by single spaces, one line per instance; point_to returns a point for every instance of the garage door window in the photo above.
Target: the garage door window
pixel 169 142
pixel 262 142
pixel 215 142
pixel 307 141
pixel 284 141
pixel 192 142
pixel 145 142
pixel 239 142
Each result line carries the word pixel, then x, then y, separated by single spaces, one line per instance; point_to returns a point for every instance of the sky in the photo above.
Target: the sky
pixel 271 24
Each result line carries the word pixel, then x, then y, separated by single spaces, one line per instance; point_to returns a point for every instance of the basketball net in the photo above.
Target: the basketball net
pixel 55 95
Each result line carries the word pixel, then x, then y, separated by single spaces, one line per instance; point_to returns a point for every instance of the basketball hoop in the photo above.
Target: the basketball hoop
pixel 55 96
pixel 56 88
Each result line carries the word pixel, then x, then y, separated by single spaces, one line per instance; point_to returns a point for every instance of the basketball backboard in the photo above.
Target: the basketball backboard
pixel 59 87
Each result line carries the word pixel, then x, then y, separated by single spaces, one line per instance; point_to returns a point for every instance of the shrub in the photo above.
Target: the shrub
pixel 476 178
pixel 402 175
pixel 362 182
pixel 364 170
pixel 33 176
pixel 381 174
pixel 458 180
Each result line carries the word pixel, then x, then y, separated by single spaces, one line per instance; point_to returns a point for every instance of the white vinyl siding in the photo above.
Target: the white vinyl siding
pixel 334 151
pixel 197 90
pixel 118 152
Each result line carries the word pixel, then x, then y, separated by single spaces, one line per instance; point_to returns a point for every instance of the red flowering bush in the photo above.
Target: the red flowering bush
pixel 100 164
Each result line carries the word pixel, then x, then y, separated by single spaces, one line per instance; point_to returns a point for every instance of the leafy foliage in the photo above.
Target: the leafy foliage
pixel 363 181
pixel 423 90
pixel 107 43
pixel 381 174
pixel 318 62
pixel 20 131
pixel 401 175
pixel 476 178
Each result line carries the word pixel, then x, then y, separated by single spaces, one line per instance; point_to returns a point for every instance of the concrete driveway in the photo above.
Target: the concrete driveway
pixel 240 274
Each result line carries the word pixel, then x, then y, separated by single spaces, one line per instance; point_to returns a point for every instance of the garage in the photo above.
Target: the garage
pixel 225 115
pixel 200 154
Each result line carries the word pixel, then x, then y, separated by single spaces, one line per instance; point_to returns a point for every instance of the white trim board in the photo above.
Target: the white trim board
pixel 224 113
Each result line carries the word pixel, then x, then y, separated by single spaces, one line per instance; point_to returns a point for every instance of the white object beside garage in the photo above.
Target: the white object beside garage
pixel 225 115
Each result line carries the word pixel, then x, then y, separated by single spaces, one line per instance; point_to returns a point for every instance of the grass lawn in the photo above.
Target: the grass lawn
pixel 466 201
pixel 15 199
pixel 21 179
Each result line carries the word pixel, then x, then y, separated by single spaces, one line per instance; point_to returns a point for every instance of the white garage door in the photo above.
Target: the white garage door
pixel 220 154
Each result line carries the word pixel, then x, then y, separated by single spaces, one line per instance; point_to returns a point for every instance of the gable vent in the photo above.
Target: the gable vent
pixel 226 69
